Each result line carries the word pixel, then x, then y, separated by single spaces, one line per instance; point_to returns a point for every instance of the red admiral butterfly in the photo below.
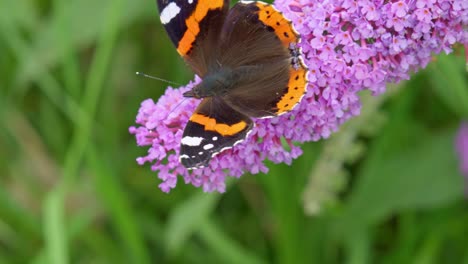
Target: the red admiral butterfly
pixel 250 66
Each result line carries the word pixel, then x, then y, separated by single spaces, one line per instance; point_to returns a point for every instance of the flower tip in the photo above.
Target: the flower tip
pixel 164 187
pixel 140 161
pixel 295 8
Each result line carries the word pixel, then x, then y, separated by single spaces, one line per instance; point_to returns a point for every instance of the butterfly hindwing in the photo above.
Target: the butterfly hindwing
pixel 213 127
pixel 194 27
pixel 276 78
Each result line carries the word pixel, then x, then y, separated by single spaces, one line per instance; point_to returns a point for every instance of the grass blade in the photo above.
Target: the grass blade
pixel 116 201
pixel 227 249
pixel 54 228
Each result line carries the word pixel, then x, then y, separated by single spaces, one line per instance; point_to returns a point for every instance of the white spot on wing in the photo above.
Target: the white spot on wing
pixel 169 12
pixel 199 166
pixel 250 2
pixel 191 141
pixel 208 146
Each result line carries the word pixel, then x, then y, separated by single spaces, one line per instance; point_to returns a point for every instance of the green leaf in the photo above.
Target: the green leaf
pixel 422 176
pixel 186 219
pixel 359 248
pixel 116 202
pixel 283 187
pixel 450 83
pixel 226 248
pixel 20 12
pixel 19 218
pixel 428 252
pixel 46 52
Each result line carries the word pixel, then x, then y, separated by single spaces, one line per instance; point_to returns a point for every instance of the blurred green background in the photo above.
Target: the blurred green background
pixel 385 189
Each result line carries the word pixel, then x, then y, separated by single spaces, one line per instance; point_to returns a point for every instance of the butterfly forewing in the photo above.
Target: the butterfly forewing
pixel 194 27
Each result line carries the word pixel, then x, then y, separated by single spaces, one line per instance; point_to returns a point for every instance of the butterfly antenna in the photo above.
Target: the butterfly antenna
pixel 156 78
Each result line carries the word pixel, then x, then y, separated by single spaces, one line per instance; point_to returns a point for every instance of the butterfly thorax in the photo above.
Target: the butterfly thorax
pixel 217 83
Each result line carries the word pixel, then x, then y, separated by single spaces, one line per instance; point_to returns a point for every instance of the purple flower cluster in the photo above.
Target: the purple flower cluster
pixel 349 46
pixel 462 149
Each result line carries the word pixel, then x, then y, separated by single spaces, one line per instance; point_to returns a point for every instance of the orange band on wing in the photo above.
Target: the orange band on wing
pixel 193 24
pixel 223 129
pixel 297 86
pixel 275 19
